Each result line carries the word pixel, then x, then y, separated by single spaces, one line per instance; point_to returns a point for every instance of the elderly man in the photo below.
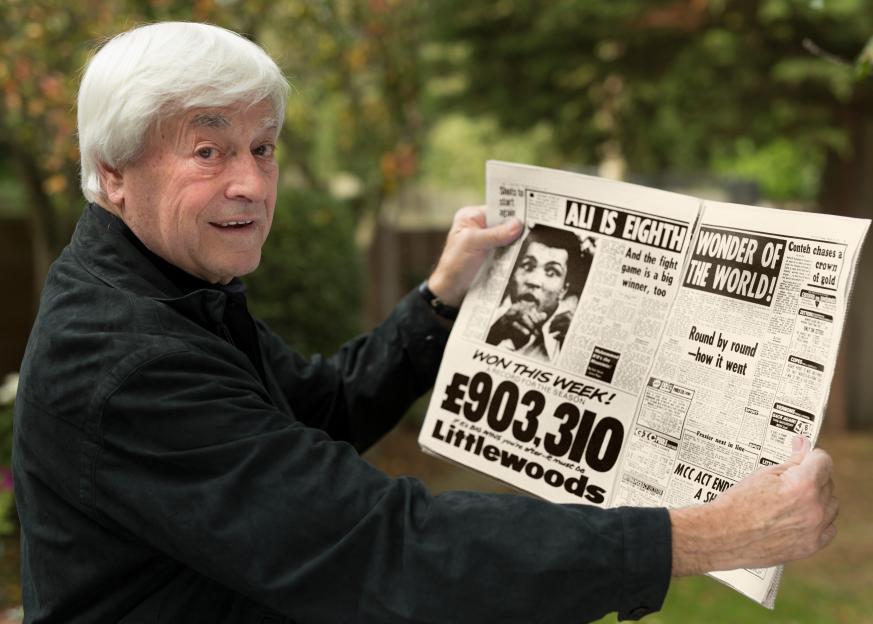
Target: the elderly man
pixel 176 462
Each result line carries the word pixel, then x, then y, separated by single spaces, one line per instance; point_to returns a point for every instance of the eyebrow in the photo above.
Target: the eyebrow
pixel 270 123
pixel 210 120
pixel 217 120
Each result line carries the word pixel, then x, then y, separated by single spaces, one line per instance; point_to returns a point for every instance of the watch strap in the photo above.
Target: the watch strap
pixel 441 309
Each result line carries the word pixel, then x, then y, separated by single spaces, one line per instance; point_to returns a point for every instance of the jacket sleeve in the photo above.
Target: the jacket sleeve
pixel 195 462
pixel 360 393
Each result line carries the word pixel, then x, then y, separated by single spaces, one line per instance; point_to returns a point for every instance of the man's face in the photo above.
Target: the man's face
pixel 540 277
pixel 202 193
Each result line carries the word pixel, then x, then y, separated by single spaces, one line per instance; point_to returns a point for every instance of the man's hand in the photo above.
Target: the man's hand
pixel 468 244
pixel 774 515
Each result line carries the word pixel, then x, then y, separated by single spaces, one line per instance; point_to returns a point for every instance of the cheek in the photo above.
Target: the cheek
pixel 517 280
pixel 555 287
pixel 188 208
pixel 271 213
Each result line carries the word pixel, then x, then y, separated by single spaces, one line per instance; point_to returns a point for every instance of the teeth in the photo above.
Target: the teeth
pixel 230 223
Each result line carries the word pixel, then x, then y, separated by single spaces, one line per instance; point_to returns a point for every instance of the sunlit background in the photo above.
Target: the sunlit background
pixel 396 105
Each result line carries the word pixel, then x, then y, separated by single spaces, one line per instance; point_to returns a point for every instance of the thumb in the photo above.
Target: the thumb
pixel 800 446
pixel 508 231
pixel 799 449
pixel 498 235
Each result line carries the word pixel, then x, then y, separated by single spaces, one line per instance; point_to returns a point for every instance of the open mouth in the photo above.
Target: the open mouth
pixel 232 225
pixel 529 298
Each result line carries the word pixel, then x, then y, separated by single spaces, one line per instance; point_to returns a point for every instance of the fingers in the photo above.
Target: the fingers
pixel 832 510
pixel 826 492
pixel 466 249
pixel 774 517
pixel 815 475
pixel 530 321
pixel 523 306
pixel 476 214
pixel 818 465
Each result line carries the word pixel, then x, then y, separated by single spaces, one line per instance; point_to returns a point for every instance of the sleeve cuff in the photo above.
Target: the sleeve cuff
pixel 647 561
pixel 423 334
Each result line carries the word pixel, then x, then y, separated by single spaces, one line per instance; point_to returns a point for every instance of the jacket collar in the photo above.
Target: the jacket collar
pixel 109 251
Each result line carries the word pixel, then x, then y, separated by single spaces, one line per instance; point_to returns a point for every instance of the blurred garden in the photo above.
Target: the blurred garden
pixel 395 107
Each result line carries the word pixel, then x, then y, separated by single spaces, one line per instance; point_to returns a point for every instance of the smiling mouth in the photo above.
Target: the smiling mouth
pixel 232 224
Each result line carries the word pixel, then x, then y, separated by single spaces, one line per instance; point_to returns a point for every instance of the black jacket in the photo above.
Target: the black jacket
pixel 159 478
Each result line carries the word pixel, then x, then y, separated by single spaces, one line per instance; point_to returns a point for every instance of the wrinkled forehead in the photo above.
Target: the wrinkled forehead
pixel 175 125
pixel 227 116
pixel 543 254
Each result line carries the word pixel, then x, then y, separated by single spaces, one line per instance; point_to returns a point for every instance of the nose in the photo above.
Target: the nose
pixel 248 181
pixel 534 279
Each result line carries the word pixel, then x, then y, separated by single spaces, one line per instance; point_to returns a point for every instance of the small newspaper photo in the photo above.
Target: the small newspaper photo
pixel 640 347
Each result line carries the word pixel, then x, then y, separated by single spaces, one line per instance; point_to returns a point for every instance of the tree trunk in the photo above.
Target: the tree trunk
pixel 847 189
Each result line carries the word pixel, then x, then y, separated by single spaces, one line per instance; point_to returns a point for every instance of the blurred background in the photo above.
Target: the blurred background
pixel 396 105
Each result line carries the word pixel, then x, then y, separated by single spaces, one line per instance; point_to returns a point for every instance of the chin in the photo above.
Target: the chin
pixel 226 271
pixel 244 268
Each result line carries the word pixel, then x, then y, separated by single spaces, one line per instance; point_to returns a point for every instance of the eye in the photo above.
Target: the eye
pixel 265 151
pixel 528 265
pixel 206 153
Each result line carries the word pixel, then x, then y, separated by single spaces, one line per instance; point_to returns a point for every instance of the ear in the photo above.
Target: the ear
pixel 112 181
pixel 566 287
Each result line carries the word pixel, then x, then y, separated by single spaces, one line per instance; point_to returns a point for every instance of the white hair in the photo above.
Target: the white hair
pixel 159 69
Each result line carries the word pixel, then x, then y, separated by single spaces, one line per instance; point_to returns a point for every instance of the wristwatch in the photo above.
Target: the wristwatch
pixel 441 309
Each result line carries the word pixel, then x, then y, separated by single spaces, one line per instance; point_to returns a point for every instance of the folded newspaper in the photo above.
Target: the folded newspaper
pixel 640 347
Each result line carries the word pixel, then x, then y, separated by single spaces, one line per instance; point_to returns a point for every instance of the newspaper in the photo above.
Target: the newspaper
pixel 640 347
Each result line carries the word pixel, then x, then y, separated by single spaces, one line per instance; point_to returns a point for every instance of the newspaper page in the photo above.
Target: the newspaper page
pixel 555 339
pixel 641 347
pixel 746 360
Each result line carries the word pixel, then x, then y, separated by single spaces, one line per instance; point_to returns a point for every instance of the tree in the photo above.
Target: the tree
pixel 682 85
pixel 43 46
pixel 354 109
pixel 307 287
pixel 353 126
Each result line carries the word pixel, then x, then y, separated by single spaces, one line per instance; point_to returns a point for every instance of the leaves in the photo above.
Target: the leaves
pixel 674 83
pixel 354 65
pixel 864 62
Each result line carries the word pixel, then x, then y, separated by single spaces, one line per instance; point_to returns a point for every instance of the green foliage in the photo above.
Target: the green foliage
pixel 43 48
pixel 864 62
pixel 354 66
pixel 8 514
pixel 356 103
pixel 781 169
pixel 8 519
pixel 801 599
pixel 457 148
pixel 307 287
pixel 671 86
